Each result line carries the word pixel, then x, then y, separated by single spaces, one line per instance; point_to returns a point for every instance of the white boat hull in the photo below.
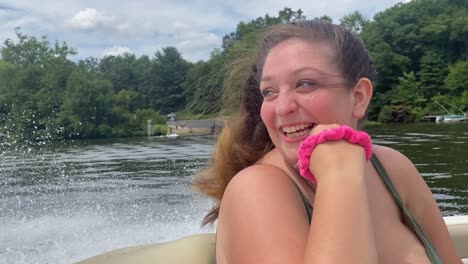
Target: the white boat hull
pixel 458 229
pixel 450 118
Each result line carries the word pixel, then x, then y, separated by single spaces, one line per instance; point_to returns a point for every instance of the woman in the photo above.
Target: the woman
pixel 310 76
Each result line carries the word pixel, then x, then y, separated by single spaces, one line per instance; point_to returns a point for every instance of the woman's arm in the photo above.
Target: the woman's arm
pixel 420 202
pixel 263 219
pixel 341 229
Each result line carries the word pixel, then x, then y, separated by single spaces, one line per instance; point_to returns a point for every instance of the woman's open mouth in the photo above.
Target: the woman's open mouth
pixel 298 130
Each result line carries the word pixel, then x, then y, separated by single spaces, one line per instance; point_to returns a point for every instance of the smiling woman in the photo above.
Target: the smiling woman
pixel 309 77
pixel 297 74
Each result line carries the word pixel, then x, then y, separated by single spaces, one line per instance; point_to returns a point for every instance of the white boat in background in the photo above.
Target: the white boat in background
pixel 172 135
pixel 449 117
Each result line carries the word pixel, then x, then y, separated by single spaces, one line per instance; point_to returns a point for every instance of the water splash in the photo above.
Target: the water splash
pixel 87 197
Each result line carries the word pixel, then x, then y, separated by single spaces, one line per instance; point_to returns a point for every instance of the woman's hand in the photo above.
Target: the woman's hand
pixel 336 158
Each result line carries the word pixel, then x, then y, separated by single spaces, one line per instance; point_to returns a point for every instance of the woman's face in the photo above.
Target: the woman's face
pixel 301 88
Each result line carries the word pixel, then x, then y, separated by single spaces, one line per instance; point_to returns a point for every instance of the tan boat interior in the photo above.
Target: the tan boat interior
pixel 201 247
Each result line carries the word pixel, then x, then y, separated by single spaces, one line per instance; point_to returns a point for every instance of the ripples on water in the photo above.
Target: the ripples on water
pixel 66 201
pixel 440 153
pixel 80 199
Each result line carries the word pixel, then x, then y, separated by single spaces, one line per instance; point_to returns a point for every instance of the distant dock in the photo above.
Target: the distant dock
pixel 196 127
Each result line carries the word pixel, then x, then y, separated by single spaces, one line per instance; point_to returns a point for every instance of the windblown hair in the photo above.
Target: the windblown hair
pixel 244 139
pixel 242 142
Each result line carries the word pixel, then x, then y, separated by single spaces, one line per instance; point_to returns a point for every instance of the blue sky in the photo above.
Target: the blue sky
pixel 111 27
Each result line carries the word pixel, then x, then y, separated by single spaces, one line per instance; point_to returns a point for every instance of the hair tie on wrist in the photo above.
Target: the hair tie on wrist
pixel 343 132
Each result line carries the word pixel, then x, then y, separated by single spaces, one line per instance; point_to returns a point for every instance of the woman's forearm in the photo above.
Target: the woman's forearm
pixel 341 229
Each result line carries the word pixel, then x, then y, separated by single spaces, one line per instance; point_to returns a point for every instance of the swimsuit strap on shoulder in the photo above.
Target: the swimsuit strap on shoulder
pixel 431 252
pixel 306 202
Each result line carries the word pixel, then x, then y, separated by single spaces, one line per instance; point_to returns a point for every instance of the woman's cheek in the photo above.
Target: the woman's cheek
pixel 322 107
pixel 266 115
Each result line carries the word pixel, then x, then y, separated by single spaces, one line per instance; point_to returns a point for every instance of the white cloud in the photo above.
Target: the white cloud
pixel 197 46
pixel 116 51
pixel 123 27
pixel 194 44
pixel 90 19
pixel 179 25
pixel 194 27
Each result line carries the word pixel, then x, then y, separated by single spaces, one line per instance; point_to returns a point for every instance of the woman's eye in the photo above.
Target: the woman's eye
pixel 266 92
pixel 306 83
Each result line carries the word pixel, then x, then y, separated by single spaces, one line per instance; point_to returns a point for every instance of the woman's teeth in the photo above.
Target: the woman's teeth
pixel 298 134
pixel 298 130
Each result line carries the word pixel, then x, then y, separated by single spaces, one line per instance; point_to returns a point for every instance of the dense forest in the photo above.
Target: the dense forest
pixel 420 49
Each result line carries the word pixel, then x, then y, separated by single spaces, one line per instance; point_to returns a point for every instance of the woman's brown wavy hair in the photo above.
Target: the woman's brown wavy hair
pixel 244 138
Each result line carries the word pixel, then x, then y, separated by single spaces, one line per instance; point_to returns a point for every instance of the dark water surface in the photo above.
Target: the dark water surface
pixel 440 153
pixel 62 202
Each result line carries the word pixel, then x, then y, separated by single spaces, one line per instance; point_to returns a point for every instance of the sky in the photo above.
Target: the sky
pixel 97 28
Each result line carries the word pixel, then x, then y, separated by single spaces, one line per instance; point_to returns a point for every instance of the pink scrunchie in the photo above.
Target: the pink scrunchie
pixel 343 132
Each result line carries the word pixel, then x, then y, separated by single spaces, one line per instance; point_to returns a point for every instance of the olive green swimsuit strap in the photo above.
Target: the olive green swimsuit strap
pixel 307 204
pixel 431 252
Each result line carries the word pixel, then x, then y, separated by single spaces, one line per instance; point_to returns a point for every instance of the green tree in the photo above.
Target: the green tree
pixel 32 100
pixel 354 22
pixel 30 50
pixel 457 78
pixel 385 115
pixel 433 72
pixel 422 37
pixel 408 90
pixel 206 92
pixel 120 71
pixel 437 31
pixel 459 35
pixel 8 85
pixel 407 99
pixel 390 65
pixel 87 105
pixel 162 86
pixel 143 115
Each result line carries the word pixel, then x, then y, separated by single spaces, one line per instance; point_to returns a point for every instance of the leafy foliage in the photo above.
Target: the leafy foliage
pixel 354 22
pixel 427 38
pixel 420 49
pixel 44 95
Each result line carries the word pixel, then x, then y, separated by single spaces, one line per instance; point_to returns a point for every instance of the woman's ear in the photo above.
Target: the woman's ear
pixel 362 94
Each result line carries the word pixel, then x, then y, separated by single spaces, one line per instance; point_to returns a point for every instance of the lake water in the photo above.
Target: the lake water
pixel 65 201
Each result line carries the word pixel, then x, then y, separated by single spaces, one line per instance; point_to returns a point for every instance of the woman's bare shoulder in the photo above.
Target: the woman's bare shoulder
pixel 261 177
pixel 252 215
pixel 394 161
pixel 400 169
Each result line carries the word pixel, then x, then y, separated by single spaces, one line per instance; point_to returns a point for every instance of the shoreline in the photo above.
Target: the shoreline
pixel 200 127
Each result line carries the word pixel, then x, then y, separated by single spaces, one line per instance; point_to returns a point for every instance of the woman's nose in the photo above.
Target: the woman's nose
pixel 286 104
